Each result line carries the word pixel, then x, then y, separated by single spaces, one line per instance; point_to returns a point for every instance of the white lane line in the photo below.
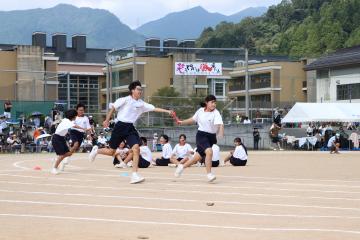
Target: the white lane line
pixel 87 195
pixel 12 170
pixel 250 177
pixel 186 191
pixel 175 209
pixel 353 232
pixel 180 184
pixel 48 178
pixel 17 165
pixel 185 179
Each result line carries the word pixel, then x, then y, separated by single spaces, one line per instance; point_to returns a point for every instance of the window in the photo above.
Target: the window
pixel 219 89
pixel 348 91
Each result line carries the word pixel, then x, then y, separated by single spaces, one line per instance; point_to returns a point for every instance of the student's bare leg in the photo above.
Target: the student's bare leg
pixel 129 157
pixel 106 151
pixel 192 161
pixel 208 159
pixel 227 158
pixel 174 160
pixel 136 154
pixel 60 158
pixel 184 160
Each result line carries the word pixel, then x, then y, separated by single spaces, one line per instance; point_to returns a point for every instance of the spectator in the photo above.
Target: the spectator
pixel 154 142
pixel 256 135
pixel 7 109
pixel 87 144
pixel 334 143
pixel 274 135
pixel 14 142
pixel 102 142
pixel 247 120
pixel 37 121
pixel 310 130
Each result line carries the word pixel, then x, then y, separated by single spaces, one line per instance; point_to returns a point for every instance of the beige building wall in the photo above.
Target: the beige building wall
pixel 292 77
pixel 30 75
pixel 51 87
pixel 7 79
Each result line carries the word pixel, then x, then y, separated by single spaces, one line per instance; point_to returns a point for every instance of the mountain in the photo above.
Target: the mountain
pixel 190 23
pixel 103 29
pixel 294 28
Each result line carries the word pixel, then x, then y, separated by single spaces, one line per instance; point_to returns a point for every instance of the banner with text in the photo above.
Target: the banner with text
pixel 198 68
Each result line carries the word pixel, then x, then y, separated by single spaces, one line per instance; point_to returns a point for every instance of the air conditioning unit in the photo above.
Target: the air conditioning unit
pixel 239 63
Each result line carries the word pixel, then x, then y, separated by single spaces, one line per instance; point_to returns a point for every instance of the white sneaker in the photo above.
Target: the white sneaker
pixel 136 178
pixel 179 170
pixel 198 164
pixel 62 166
pixel 129 164
pixel 275 149
pixel 211 177
pixel 54 171
pixel 121 165
pixel 171 165
pixel 93 153
pixel 281 149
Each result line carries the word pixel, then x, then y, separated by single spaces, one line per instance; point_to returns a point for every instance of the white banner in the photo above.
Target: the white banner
pixel 198 68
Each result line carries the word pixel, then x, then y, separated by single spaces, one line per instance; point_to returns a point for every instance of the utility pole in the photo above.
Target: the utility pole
pixel 246 82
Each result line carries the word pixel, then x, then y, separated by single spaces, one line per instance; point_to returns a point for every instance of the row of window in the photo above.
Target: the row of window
pixel 348 91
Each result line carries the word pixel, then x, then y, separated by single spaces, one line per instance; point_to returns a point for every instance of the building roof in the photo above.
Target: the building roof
pixel 92 55
pixel 342 57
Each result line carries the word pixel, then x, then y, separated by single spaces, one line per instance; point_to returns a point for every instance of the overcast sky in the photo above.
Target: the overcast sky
pixel 137 12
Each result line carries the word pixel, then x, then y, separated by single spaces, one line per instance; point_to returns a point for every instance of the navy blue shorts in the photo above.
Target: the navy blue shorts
pixel 204 141
pixel 143 163
pixel 124 131
pixel 76 136
pixel 59 144
pixel 215 163
pixel 237 161
pixel 162 161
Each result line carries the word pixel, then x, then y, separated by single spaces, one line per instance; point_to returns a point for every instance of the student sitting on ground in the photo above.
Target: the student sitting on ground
pixel 182 151
pixel 215 162
pixel 145 158
pixel 121 154
pixel 238 157
pixel 166 152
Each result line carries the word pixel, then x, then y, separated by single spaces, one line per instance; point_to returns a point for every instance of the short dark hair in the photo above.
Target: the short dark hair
pixel 143 140
pixel 182 135
pixel 71 114
pixel 133 85
pixel 208 99
pixel 80 105
pixel 166 137
pixel 238 140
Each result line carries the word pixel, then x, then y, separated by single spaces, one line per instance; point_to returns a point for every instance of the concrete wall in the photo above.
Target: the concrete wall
pixel 30 84
pixel 327 86
pixel 7 79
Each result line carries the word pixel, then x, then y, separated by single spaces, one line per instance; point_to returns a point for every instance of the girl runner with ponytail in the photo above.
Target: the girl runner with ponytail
pixel 210 124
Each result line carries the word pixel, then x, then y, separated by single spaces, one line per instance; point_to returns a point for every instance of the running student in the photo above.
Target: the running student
pixel 182 151
pixel 58 140
pixel 210 123
pixel 239 156
pixel 166 152
pixel 128 110
pixel 78 135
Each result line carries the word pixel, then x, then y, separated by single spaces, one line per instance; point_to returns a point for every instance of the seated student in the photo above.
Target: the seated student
pixel 215 158
pixel 145 157
pixel 239 156
pixel 120 155
pixel 334 143
pixel 145 154
pixel 182 151
pixel 216 155
pixel 166 152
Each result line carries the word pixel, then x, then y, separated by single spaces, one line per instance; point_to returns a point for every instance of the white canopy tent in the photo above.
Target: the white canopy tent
pixel 323 112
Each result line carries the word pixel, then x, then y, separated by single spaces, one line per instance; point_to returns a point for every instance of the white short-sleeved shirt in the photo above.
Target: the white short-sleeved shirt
pixel 63 127
pixel 166 151
pixel 208 121
pixel 216 152
pixel 82 122
pixel 182 151
pixel 240 153
pixel 130 109
pixel 145 152
pixel 331 141
pixel 122 152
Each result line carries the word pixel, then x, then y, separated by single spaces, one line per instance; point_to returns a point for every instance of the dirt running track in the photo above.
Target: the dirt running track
pixel 279 195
